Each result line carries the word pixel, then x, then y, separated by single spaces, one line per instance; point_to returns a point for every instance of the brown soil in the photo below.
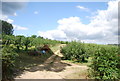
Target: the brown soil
pixel 54 68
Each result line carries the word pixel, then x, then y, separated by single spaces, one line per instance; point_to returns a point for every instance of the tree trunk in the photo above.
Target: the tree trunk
pixel 83 59
pixel 26 47
pixel 18 48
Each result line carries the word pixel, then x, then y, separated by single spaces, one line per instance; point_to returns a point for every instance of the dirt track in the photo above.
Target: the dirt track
pixel 54 68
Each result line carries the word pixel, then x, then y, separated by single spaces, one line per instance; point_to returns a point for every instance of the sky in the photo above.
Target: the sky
pixel 90 22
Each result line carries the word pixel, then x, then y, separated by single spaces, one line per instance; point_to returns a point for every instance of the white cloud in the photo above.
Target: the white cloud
pixel 15 14
pixel 53 34
pixel 36 12
pixel 5 18
pixel 10 20
pixel 16 27
pixel 75 29
pixel 102 28
pixel 82 8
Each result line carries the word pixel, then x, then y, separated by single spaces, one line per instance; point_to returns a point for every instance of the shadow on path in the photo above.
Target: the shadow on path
pixel 53 63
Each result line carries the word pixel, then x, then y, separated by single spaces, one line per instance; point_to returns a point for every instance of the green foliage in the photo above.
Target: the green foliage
pixel 26 42
pixel 105 59
pixel 7 39
pixel 7 28
pixel 106 63
pixel 18 42
pixel 40 41
pixel 64 42
pixel 74 51
pixel 23 43
pixel 8 58
pixel 90 49
pixel 34 36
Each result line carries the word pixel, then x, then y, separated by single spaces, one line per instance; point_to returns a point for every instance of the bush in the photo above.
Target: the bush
pixel 105 63
pixel 74 51
pixel 8 59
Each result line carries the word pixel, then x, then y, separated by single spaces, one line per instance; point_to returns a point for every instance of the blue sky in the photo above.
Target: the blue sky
pixel 92 22
pixel 50 12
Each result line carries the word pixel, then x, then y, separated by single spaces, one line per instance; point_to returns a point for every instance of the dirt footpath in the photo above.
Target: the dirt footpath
pixel 54 68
